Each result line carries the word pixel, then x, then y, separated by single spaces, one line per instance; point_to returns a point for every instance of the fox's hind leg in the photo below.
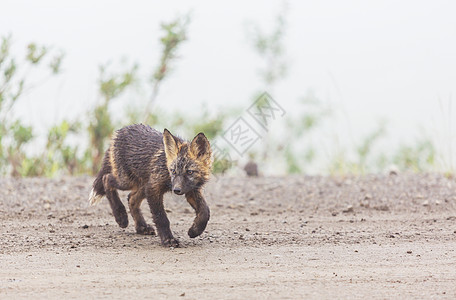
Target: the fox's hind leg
pixel 118 209
pixel 135 199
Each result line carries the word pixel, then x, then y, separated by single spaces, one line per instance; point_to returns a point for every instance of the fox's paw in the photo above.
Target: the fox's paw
pixel 145 230
pixel 122 220
pixel 171 242
pixel 193 232
pixel 196 229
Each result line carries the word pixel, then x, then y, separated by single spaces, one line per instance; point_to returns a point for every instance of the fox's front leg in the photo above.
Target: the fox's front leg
pixel 196 200
pixel 155 201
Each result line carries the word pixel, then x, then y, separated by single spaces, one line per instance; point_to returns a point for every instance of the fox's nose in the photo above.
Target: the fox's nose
pixel 177 191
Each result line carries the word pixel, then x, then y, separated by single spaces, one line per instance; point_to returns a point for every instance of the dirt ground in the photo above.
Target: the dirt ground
pixel 381 236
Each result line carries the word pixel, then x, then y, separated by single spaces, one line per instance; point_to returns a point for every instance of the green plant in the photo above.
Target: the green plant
pixel 174 34
pixel 364 159
pixel 295 145
pixel 63 156
pixel 417 158
pixel 271 48
pixel 100 128
pixel 14 82
pixel 364 150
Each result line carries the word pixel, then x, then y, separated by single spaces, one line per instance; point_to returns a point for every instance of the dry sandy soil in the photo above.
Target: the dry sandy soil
pixel 379 236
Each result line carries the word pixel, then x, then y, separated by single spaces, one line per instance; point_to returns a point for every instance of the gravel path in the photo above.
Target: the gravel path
pixel 382 236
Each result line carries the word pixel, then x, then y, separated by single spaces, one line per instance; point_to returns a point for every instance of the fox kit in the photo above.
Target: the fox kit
pixel 149 163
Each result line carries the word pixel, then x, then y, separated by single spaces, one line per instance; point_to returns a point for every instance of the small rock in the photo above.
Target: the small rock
pixel 85 226
pixel 382 207
pixel 251 169
pixel 334 214
pixel 364 203
pixel 393 170
pixel 409 251
pixel 182 295
pixel 349 209
pixel 425 203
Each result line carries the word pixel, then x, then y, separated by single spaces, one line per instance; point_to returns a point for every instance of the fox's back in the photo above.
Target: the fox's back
pixel 136 151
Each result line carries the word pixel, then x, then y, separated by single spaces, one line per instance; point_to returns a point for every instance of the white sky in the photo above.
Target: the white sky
pixel 392 60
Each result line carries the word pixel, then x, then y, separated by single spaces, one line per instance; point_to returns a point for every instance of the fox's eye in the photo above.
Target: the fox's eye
pixel 189 172
pixel 173 171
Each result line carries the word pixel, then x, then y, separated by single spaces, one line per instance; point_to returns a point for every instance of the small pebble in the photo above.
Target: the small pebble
pixel 348 209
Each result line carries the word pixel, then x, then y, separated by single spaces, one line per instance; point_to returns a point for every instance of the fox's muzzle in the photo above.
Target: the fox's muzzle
pixel 177 185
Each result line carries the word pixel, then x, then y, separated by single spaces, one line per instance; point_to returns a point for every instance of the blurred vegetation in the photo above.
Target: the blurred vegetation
pixel 100 128
pixel 270 47
pixel 174 34
pixel 311 112
pixel 14 83
pixel 294 148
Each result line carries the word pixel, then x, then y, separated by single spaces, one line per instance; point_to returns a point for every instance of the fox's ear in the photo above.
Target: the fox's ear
pixel 171 146
pixel 201 148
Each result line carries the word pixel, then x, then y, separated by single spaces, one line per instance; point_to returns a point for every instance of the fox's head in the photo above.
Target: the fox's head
pixel 189 164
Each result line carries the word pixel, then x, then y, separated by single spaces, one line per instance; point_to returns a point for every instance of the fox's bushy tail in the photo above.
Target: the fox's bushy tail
pixel 98 190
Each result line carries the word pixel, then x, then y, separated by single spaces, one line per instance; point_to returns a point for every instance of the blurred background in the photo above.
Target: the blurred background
pixel 365 87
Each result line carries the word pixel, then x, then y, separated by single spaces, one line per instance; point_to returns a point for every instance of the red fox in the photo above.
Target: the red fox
pixel 149 163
